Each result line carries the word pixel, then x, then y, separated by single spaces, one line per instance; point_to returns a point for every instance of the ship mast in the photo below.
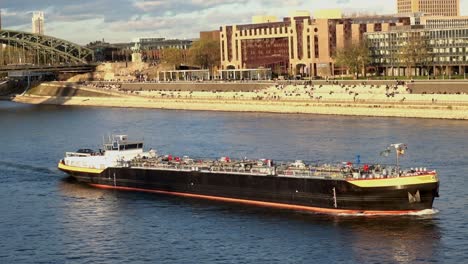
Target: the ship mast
pixel 399 150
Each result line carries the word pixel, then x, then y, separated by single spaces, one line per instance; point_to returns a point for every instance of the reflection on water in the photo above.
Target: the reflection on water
pixel 46 218
pixel 402 239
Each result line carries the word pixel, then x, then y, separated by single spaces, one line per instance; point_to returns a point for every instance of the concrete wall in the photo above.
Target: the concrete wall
pixel 4 88
pixel 11 87
pixel 62 91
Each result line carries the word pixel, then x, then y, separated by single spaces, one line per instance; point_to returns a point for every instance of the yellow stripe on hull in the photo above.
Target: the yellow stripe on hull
pixel 402 181
pixel 78 169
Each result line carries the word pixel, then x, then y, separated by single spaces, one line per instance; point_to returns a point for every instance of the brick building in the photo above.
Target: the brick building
pixel 297 45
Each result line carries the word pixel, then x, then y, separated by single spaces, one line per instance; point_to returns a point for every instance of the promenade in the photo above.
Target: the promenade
pixel 390 100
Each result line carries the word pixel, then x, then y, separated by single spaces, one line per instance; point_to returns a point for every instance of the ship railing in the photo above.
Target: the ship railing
pixel 293 173
pixel 323 174
pixel 156 165
pixel 266 171
pixel 199 167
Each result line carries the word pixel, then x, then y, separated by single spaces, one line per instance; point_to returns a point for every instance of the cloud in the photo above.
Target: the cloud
pixel 123 20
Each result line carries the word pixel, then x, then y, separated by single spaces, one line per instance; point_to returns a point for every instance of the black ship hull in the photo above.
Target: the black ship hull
pixel 309 194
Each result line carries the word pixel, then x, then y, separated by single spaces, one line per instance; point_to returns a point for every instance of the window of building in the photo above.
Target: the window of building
pixel 237 50
pixel 316 47
pixel 292 48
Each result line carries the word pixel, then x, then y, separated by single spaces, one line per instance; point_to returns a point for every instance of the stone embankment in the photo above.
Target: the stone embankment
pixel 329 98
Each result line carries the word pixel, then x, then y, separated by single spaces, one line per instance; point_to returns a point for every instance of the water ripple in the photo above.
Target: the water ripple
pixel 46 217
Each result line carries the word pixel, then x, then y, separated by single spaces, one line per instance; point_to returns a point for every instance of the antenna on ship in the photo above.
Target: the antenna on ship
pixel 400 151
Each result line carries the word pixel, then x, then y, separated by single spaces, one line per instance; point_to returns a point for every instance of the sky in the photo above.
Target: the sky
pixel 114 21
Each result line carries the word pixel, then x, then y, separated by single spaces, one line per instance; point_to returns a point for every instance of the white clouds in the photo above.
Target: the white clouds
pixel 145 5
pixel 123 20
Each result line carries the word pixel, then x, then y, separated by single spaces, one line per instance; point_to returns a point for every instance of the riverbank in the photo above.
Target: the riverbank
pixel 364 100
pixel 286 107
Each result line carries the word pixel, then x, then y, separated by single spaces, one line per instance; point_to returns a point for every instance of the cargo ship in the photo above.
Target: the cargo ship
pixel 344 188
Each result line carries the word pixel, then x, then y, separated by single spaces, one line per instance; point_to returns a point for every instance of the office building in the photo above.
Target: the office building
pixel 151 49
pixel 297 45
pixel 439 51
pixel 432 7
pixel 443 22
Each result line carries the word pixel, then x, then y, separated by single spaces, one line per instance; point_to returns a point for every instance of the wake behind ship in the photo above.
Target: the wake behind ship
pixel 344 188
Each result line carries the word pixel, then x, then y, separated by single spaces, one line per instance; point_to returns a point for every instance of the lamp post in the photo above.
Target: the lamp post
pixel 400 150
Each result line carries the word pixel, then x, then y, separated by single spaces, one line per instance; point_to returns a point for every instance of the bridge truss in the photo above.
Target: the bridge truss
pixel 18 47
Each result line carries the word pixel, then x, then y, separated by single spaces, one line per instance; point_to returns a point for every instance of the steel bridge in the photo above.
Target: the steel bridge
pixel 22 48
pixel 61 68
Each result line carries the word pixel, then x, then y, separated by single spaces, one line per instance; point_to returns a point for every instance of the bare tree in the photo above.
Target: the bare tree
pixel 205 53
pixel 355 58
pixel 172 56
pixel 414 52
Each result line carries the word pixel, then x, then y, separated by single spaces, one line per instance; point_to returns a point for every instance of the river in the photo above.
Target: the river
pixel 46 218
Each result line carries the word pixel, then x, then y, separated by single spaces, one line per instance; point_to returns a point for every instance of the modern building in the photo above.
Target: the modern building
pixel 432 7
pixel 38 23
pixel 443 22
pixel 104 51
pixel 150 49
pixel 432 51
pixel 297 45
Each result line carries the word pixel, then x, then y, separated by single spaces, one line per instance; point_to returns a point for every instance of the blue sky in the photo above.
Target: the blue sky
pixel 124 20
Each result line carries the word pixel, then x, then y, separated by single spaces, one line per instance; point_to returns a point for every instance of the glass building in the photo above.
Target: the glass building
pixel 419 51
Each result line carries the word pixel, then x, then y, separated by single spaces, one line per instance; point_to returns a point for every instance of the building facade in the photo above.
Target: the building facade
pixel 443 22
pixel 38 23
pixel 151 49
pixel 210 35
pixel 297 45
pixel 438 51
pixel 432 7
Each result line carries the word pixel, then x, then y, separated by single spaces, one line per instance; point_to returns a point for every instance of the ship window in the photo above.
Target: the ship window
pixel 130 146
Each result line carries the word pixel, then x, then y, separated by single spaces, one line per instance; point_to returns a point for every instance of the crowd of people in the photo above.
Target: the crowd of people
pixel 330 90
pixel 278 91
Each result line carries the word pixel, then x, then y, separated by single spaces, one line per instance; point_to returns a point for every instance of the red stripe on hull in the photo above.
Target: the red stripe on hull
pixel 259 203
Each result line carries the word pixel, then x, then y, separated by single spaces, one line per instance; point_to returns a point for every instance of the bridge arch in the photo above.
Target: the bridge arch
pixel 43 49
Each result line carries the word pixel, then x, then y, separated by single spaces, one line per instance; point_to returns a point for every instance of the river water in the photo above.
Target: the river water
pixel 46 218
